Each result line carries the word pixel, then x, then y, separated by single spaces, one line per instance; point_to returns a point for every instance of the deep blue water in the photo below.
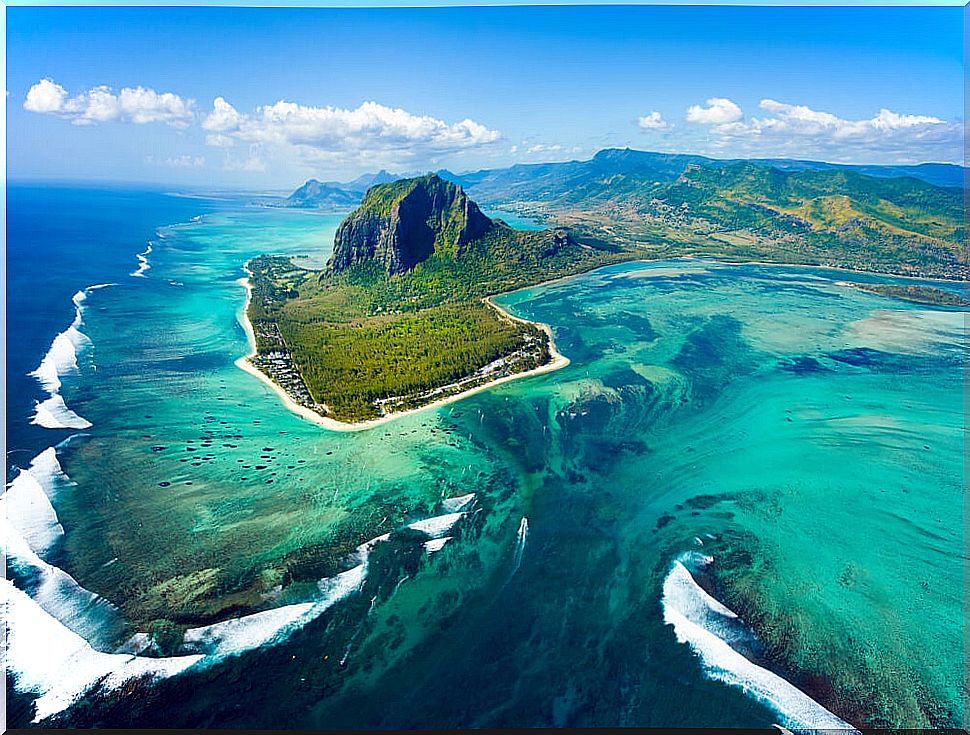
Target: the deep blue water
pixel 60 240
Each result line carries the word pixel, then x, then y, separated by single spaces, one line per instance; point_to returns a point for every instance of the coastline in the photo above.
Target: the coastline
pixel 725 260
pixel 558 359
pixel 243 363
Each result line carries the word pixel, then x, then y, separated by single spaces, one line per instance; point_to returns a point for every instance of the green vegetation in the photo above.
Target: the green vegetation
pixel 673 205
pixel 917 294
pixel 366 339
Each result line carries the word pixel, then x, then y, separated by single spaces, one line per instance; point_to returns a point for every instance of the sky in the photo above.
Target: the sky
pixel 264 98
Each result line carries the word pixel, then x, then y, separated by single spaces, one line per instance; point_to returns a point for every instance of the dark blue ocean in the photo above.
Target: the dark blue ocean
pixel 60 240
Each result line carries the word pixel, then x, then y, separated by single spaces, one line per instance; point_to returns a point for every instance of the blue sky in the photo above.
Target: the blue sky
pixel 264 98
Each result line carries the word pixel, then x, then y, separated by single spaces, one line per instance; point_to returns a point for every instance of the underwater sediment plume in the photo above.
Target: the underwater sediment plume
pixel 731 504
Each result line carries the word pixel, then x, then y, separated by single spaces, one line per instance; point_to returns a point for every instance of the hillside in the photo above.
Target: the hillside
pixel 672 204
pixel 401 224
pixel 334 196
pixel 397 318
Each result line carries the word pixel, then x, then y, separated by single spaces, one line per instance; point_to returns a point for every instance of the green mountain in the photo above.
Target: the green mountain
pixel 318 195
pixel 334 196
pixel 671 204
pixel 403 223
pixel 397 318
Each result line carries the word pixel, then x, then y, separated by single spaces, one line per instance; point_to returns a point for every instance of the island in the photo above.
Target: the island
pixel 918 294
pixel 401 317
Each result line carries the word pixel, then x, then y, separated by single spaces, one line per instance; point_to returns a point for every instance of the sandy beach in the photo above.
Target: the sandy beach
pixel 243 363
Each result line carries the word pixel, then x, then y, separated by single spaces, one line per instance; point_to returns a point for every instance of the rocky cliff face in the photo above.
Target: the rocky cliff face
pixel 404 222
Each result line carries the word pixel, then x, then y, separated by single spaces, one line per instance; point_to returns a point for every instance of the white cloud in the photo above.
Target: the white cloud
pixel 223 119
pixel 372 132
pixel 183 161
pixel 719 111
pixel 653 121
pixel 138 105
pixel 218 140
pixel 543 148
pixel 800 130
pixel 45 96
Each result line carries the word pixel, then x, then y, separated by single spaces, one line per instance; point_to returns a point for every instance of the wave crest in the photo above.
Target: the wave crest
pixel 710 628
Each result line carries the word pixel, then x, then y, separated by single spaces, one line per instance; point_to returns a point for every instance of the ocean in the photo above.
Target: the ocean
pixel 739 505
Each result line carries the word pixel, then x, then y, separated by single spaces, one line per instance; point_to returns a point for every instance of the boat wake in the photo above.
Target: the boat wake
pixel 717 635
pixel 521 535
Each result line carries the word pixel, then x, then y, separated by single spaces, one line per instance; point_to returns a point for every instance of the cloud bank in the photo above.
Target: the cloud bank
pixel 100 104
pixel 798 130
pixel 372 132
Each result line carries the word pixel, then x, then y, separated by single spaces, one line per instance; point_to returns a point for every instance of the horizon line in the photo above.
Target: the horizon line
pixel 217 188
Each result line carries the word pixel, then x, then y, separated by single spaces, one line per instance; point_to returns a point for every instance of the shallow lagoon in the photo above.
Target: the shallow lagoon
pixel 805 435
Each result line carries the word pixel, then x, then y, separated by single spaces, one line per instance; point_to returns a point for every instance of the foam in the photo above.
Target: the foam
pixel 437 526
pixel 436 544
pixel 31 530
pixel 52 661
pixel 54 414
pixel 60 596
pixel 706 625
pixel 245 633
pixel 453 505
pixel 26 505
pixel 61 360
pixel 143 264
pixel 235 636
pixel 61 357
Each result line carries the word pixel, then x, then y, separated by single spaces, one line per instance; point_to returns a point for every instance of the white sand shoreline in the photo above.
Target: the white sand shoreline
pixel 243 363
pixel 558 359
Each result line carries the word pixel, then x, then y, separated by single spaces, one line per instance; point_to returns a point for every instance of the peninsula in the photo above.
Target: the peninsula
pixel 400 317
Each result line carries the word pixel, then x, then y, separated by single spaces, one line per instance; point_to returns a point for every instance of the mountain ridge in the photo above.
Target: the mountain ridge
pixel 402 223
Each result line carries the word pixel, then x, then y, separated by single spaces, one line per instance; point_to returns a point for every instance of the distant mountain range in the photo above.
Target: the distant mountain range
pixel 667 165
pixel 499 185
pixel 333 196
pixel 899 219
pixel 790 211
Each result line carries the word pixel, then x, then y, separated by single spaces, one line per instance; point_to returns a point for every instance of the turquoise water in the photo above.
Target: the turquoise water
pixel 806 436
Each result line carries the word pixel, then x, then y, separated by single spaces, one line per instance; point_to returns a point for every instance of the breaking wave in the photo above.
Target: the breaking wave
pixel 238 635
pixel 462 502
pixel 62 640
pixel 27 504
pixel 52 628
pixel 437 526
pixel 143 263
pixel 61 360
pixel 53 413
pixel 47 658
pixel 520 538
pixel 714 632
pixel 61 357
